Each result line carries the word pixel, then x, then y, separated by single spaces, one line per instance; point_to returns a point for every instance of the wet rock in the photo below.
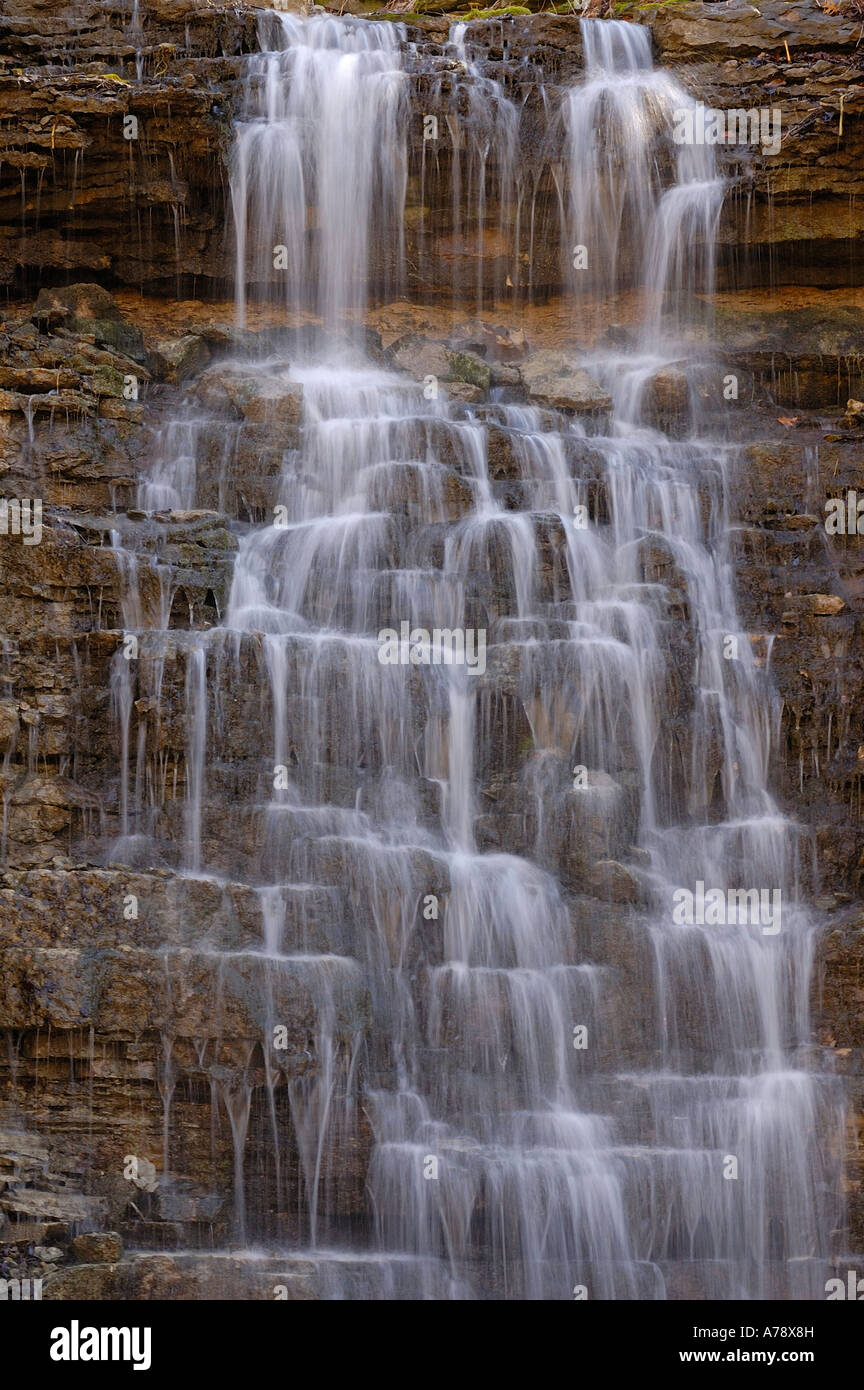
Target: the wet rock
pixel 837 1001
pixel 666 402
pixel 824 605
pixel 8 723
pixel 89 310
pixel 136 990
pixel 505 374
pixel 806 358
pixel 126 411
pixel 422 492
pixel 419 356
pixel 689 31
pixel 551 378
pixel 614 882
pixel 106 381
pixel 258 398
pixel 48 1254
pixel 40 808
pixel 75 304
pixel 464 391
pixel 495 343
pixel 21 1154
pixel 183 1200
pixel 97 1247
pixel 180 358
pixel 185 1277
pixel 502 462
pixel 85 1282
pixel 84 907
pixel 469 368
pixel 33 379
pixel 457 369
pixel 33 1204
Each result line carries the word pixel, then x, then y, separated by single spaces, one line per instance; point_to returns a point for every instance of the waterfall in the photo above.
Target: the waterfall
pixel 647 215
pixel 570 1083
pixel 324 126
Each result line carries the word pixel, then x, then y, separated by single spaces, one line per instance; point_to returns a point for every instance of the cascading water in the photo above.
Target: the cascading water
pixel 619 714
pixel 647 214
pixel 325 127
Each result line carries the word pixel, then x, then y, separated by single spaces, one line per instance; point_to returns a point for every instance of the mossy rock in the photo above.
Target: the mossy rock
pixel 88 311
pixel 106 381
pixel 424 7
pixel 115 333
pixel 507 12
pixel 464 366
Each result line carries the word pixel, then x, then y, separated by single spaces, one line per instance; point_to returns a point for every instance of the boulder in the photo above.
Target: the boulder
pixel 48 1254
pixel 824 605
pixel 97 1247
pixel 74 302
pixel 469 368
pixel 610 880
pixel 179 358
pixel 456 368
pixel 87 1283
pixel 495 343
pixel 554 379
pixel 464 391
pixel 273 399
pixel 89 310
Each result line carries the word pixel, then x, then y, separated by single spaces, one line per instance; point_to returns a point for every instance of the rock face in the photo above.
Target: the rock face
pixel 140 159
pixel 134 999
pixel 795 59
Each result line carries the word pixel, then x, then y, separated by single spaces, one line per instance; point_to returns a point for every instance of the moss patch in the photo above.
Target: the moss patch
pixel 508 12
pixel 467 368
